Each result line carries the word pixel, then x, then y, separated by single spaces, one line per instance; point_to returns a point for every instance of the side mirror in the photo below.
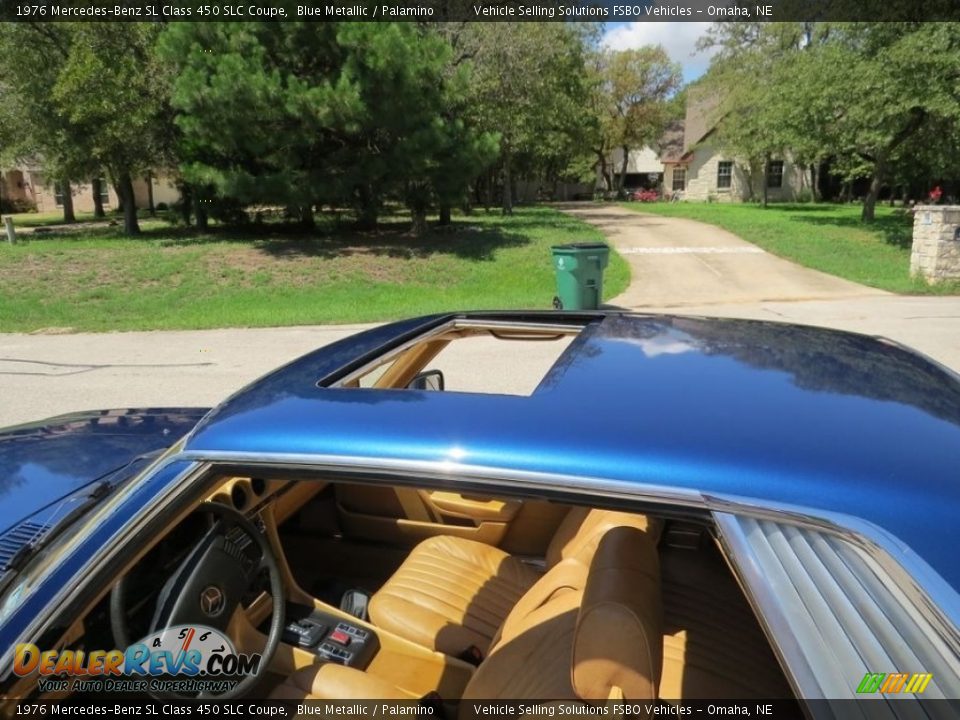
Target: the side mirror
pixel 427 380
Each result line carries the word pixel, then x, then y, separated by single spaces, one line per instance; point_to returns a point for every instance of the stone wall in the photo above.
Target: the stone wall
pixel 936 242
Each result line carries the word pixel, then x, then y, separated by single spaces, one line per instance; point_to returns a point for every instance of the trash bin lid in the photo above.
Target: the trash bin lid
pixel 582 246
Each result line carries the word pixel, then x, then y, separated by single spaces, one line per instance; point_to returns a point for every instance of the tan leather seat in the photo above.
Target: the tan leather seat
pixel 589 644
pixel 602 641
pixel 713 646
pixel 451 593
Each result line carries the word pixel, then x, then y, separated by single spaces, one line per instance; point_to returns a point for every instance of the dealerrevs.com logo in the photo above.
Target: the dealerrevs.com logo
pixel 184 658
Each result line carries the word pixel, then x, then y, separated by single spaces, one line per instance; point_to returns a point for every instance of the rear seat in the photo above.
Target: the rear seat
pixel 452 594
pixel 713 646
pixel 604 641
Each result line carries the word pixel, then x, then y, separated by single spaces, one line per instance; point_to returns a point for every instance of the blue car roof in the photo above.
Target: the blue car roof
pixel 803 416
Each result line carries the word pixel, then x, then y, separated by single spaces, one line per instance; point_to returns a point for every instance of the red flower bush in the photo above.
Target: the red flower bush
pixel 646 196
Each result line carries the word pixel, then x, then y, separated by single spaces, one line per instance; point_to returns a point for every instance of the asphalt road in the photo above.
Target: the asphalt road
pixel 679 266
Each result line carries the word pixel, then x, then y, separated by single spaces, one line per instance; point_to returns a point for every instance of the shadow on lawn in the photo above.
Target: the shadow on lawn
pixel 895 229
pixel 473 237
pixel 462 239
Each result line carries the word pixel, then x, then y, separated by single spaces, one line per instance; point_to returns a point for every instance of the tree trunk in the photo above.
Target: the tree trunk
pixel 419 227
pixel 119 194
pixel 602 169
pixel 97 198
pixel 68 214
pixel 751 171
pixel 365 208
pixel 153 210
pixel 445 214
pixel 201 210
pixel 870 201
pixel 623 169
pixel 130 224
pixel 766 180
pixel 507 194
pixel 186 203
pixel 306 217
pixel 814 183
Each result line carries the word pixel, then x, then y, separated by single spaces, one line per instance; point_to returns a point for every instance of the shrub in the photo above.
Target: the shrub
pixel 645 196
pixel 16 206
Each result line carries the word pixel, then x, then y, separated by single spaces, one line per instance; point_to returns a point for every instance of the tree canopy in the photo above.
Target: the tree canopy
pixel 306 114
pixel 859 94
pixel 89 98
pixel 632 90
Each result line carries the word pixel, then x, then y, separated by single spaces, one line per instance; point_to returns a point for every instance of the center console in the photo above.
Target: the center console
pixel 331 638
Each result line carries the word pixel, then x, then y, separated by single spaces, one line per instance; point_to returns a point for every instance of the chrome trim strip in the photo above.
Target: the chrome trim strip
pixel 928 591
pixel 766 607
pixel 532 327
pixel 412 471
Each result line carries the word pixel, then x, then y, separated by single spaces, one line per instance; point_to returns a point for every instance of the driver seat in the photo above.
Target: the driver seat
pixel 602 642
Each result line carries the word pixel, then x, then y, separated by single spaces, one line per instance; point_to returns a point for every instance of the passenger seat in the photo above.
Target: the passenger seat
pixel 604 641
pixel 453 595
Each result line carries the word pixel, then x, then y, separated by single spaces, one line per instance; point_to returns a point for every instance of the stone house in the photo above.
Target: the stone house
pixel 697 168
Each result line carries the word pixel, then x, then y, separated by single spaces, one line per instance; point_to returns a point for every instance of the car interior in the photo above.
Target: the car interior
pixel 412 589
pixel 396 592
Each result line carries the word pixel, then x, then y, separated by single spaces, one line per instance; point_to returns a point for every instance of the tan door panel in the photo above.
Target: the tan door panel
pixel 446 504
pixel 399 531
pixel 405 516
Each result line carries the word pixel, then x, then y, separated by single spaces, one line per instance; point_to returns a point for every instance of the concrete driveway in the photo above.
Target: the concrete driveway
pixel 677 263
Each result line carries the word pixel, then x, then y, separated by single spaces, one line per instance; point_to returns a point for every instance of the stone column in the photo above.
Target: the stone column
pixel 936 242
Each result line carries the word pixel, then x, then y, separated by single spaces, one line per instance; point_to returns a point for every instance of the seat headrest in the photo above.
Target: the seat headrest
pixel 582 527
pixel 618 643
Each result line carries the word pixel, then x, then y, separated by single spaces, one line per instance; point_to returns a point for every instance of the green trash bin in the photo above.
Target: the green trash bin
pixel 579 268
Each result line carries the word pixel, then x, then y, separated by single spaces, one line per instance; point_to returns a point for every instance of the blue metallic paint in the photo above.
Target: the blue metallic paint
pixel 42 463
pixel 796 415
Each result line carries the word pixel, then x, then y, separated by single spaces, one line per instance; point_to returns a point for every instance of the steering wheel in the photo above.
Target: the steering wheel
pixel 207 587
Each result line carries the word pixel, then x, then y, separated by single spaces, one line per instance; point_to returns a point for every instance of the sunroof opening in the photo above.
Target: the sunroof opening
pixel 471 357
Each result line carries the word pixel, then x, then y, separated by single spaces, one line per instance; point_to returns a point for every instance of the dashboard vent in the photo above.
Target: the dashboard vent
pixel 16 539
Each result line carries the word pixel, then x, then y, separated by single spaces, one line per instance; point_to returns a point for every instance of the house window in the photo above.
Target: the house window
pixel 775 174
pixel 58 194
pixel 724 174
pixel 679 179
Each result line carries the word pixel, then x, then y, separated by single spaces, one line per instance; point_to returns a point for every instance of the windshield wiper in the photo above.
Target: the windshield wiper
pixel 21 543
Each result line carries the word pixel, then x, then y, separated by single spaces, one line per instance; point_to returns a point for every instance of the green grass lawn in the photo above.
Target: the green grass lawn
pixel 94 279
pixel 830 238
pixel 51 218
